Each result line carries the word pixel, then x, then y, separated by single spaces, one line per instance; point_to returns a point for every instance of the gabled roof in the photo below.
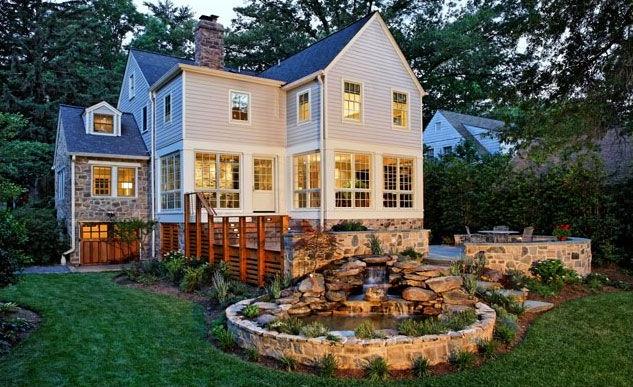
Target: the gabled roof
pixel 129 143
pixel 153 65
pixel 316 56
pixel 458 120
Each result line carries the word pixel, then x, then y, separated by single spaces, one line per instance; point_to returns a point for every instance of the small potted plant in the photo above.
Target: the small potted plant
pixel 562 232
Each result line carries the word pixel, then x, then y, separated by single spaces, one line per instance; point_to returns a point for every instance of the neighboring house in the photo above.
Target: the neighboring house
pixel 448 129
pixel 330 133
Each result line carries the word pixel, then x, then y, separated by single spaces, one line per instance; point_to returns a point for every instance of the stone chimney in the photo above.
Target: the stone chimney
pixel 209 42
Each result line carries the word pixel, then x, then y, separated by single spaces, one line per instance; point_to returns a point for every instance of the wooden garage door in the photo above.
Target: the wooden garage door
pixel 97 247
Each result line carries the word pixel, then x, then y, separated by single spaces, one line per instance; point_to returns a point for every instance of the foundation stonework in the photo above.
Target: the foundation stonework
pixel 575 253
pixel 353 353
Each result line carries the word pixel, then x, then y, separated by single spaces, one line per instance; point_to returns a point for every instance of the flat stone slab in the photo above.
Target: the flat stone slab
pixel 486 285
pixel 444 284
pixel 518 295
pixel 533 306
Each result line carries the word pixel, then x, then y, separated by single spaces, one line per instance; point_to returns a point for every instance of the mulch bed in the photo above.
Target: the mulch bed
pixel 33 320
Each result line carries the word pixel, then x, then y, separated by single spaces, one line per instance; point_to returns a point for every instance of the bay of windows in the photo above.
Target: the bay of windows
pixel 170 182
pixel 398 182
pixel 219 176
pixel 307 181
pixel 352 176
pixel 400 109
pixel 352 101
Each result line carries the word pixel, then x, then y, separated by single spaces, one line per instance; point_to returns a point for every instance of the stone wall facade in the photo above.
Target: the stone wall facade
pixel 350 243
pixel 575 253
pixel 354 353
pixel 391 224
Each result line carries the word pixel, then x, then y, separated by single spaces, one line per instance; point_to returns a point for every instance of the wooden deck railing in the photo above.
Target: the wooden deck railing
pixel 252 246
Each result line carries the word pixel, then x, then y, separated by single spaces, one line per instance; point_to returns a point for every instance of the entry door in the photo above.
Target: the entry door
pixel 263 184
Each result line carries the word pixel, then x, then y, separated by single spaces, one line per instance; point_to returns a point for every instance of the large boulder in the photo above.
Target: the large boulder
pixel 313 283
pixel 334 295
pixel 375 294
pixel 300 311
pixel 458 297
pixel 355 264
pixel 418 294
pixel 444 284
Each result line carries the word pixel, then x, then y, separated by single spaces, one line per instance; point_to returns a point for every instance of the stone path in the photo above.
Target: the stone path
pixel 54 269
pixel 61 269
pixel 444 254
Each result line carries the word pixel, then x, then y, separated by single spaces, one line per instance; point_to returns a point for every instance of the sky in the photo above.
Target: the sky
pixel 222 8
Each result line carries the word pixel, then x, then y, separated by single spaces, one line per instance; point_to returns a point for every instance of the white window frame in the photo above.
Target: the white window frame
pixel 362 101
pixel 114 178
pixel 248 110
pixel 131 86
pixel 299 94
pixel 408 111
pixel 166 118
pixel 309 189
pixel 217 190
pixel 177 191
pixel 353 190
pixel 398 191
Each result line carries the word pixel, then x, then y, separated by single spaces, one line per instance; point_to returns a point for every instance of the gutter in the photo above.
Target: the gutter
pixel 72 211
pixel 321 78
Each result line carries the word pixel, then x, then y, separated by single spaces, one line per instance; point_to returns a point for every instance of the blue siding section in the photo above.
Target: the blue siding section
pixel 490 142
pixel 170 132
pixel 141 98
pixel 439 138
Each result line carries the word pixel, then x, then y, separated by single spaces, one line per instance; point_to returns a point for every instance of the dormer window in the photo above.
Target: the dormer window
pixel 103 123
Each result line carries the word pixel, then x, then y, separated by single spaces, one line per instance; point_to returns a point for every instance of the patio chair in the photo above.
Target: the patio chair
pixel 527 234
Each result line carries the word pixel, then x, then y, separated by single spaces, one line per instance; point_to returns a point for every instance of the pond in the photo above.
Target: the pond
pixel 350 323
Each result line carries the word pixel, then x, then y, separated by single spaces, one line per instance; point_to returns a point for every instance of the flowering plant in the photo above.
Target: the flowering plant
pixel 562 231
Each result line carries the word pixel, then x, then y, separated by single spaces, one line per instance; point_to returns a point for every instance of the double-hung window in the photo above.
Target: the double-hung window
pixel 352 179
pixel 398 182
pixel 399 109
pixel 113 181
pixel 167 108
pixel 240 106
pixel 352 101
pixel 170 182
pixel 303 107
pixel 103 123
pixel 219 175
pixel 126 182
pixel 307 180
pixel 101 181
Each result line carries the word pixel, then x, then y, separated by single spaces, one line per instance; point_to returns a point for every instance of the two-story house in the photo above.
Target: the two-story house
pixel 448 129
pixel 331 133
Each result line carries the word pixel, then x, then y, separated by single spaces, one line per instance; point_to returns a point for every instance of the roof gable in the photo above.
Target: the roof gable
pixel 153 65
pixel 459 122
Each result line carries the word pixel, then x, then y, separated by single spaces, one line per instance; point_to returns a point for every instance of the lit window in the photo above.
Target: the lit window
pixel 263 174
pixel 307 181
pixel 400 109
pixel 351 101
pixel 170 182
pixel 352 173
pixel 304 107
pixel 101 181
pixel 167 108
pixel 144 118
pixel 398 182
pixel 219 176
pixel 240 106
pixel 126 182
pixel 103 123
pixel 95 231
pixel 131 86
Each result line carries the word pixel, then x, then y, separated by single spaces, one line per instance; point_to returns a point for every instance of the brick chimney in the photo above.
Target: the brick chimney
pixel 209 42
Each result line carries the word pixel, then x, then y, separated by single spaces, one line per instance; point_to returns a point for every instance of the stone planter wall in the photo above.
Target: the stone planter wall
pixel 353 353
pixel 575 253
pixel 350 243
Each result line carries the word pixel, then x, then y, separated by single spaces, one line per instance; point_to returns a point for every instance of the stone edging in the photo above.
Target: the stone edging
pixel 352 353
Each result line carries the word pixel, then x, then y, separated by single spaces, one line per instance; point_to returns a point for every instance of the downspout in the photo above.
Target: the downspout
pixel 72 212
pixel 321 78
pixel 153 167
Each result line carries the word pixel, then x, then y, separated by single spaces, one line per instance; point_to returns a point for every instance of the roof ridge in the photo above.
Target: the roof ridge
pixel 369 15
pixel 158 53
pixel 469 115
pixel 69 105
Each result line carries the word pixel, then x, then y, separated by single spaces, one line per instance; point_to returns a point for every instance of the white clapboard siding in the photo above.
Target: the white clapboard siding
pixel 168 133
pixel 307 131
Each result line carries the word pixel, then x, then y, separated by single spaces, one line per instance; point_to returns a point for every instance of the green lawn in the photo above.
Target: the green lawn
pixel 96 332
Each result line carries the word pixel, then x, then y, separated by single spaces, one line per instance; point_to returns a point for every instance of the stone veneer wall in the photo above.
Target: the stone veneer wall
pixel 575 253
pixel 96 209
pixel 349 243
pixel 372 224
pixel 353 353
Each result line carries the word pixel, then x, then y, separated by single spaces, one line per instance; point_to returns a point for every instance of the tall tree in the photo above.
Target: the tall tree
pixel 168 30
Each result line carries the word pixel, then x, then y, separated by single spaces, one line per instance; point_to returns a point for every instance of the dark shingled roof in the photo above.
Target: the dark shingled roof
pixel 153 65
pixel 316 56
pixel 129 143
pixel 458 120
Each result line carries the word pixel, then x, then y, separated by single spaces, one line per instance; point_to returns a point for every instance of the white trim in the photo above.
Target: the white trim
pixel 114 163
pixel 171 108
pixel 72 212
pixel 114 179
pixel 183 106
pixel 353 189
pixel 110 156
pixel 302 81
pixel 300 93
pixel 362 101
pixel 407 127
pixel 248 113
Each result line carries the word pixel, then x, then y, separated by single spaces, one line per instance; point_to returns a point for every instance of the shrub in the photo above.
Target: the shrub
pixel 13 238
pixel 457 321
pixel 7 308
pixel 327 365
pixel 348 225
pixel 290 325
pixel 193 278
pixel 506 326
pixel 314 329
pixel 174 267
pixel 516 279
pixel 225 339
pixel 470 283
pixel 487 349
pixel 274 287
pixel 462 359
pixel 410 252
pixel 553 273
pixel 45 237
pixel 219 288
pixel 366 331
pixel 420 367
pixel 332 337
pixel 377 369
pixel 374 245
pixel 252 354
pixel 495 298
pixel 596 281
pixel 250 311
pixel 288 362
pixel 414 328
